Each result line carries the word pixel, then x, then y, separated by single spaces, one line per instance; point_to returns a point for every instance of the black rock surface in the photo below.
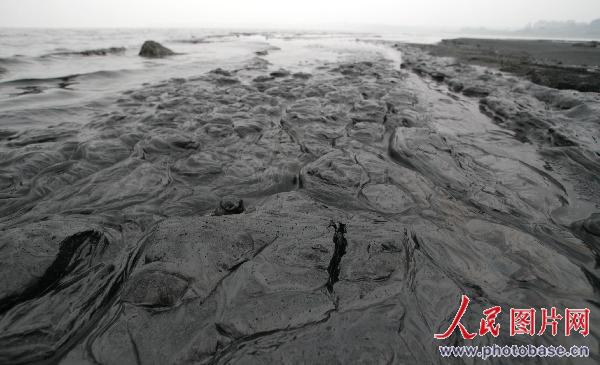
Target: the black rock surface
pixel 111 251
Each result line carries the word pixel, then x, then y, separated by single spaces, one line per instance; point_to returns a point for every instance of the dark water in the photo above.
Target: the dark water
pixel 111 167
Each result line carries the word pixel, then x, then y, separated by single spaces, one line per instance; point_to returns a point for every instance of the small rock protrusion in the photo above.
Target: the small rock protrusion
pixel 302 75
pixel 230 205
pixel 280 73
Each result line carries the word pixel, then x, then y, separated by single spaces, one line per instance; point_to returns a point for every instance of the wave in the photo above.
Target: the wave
pixel 215 38
pixel 192 41
pixel 89 52
pixel 66 78
pixel 8 61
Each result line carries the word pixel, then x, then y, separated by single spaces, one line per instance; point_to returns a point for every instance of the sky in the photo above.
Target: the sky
pixel 500 14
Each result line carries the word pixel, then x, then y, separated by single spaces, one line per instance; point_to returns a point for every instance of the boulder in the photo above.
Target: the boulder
pixel 153 49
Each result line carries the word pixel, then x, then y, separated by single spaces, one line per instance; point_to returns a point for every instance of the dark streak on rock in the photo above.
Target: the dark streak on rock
pixel 68 257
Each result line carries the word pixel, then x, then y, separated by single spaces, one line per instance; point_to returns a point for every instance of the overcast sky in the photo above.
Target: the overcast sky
pixel 293 13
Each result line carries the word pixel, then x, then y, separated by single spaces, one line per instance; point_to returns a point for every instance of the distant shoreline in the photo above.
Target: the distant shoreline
pixel 560 64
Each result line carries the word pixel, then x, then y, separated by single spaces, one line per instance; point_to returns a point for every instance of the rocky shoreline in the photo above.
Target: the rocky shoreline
pixel 441 179
pixel 567 65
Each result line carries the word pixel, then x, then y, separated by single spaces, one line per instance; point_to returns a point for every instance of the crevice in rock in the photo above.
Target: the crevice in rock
pixel 340 250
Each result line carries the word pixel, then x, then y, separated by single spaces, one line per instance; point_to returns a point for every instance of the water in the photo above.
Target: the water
pixel 44 70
